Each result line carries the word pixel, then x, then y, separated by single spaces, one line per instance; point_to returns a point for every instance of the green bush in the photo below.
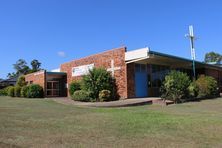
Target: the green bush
pixel 105 95
pixel 96 80
pixel 82 95
pixel 10 91
pixel 17 91
pixel 175 86
pixel 207 87
pixel 21 81
pixel 24 91
pixel 193 90
pixel 74 86
pixel 35 91
pixel 3 92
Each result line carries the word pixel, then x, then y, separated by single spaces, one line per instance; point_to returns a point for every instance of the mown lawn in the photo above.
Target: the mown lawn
pixel 44 123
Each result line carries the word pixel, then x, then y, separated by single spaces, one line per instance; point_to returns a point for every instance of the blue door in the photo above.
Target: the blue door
pixel 141 81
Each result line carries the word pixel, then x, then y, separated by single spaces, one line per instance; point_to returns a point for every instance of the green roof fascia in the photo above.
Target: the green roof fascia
pixel 184 59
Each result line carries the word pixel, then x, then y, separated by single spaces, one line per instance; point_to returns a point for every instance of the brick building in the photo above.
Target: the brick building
pixel 138 73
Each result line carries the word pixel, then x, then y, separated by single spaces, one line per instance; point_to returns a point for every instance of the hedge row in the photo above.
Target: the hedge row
pixel 178 87
pixel 30 91
pixel 23 90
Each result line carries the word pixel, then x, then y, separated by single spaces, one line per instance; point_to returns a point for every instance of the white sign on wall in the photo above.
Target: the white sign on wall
pixel 81 70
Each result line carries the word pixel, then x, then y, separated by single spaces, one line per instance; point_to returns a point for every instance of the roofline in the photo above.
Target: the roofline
pixel 184 59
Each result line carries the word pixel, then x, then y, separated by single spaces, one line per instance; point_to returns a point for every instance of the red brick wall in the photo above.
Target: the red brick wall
pixel 102 60
pixel 37 78
pixel 131 80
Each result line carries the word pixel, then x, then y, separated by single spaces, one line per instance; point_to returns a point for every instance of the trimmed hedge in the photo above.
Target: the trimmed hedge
pixel 10 91
pixel 3 92
pixel 17 91
pixel 82 95
pixel 105 95
pixel 74 86
pixel 207 87
pixel 24 91
pixel 35 91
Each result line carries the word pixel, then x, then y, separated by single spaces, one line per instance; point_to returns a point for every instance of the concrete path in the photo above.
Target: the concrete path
pixel 118 103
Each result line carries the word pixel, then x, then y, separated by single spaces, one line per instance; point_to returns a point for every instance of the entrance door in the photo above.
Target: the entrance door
pixel 53 88
pixel 141 80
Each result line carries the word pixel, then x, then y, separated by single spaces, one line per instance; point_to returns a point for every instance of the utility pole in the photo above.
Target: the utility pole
pixel 193 54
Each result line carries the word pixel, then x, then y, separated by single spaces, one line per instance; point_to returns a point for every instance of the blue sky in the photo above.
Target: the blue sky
pixel 57 31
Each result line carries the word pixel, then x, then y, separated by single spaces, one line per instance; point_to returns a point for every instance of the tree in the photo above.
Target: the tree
pixel 11 75
pixel 35 65
pixel 212 57
pixel 21 67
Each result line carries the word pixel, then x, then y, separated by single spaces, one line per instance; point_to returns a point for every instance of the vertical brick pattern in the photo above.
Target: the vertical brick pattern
pixel 102 60
pixel 131 80
pixel 37 78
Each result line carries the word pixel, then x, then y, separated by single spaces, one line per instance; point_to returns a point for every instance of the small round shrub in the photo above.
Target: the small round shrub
pixel 10 91
pixel 35 91
pixel 74 86
pixel 105 95
pixel 24 91
pixel 193 90
pixel 17 90
pixel 82 95
pixel 3 92
pixel 175 86
pixel 207 87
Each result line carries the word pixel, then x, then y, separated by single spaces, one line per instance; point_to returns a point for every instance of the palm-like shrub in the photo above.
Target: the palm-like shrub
pixel 96 80
pixel 175 86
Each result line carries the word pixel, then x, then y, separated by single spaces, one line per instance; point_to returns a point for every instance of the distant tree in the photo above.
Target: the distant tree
pixel 35 65
pixel 11 75
pixel 212 57
pixel 21 67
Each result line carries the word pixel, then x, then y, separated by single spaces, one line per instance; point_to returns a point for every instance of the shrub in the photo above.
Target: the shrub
pixel 17 90
pixel 74 86
pixel 193 90
pixel 207 87
pixel 96 80
pixel 10 91
pixel 21 81
pixel 82 95
pixel 35 91
pixel 24 91
pixel 3 92
pixel 175 86
pixel 105 95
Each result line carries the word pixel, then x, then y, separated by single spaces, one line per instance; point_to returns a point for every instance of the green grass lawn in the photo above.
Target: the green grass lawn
pixel 44 123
